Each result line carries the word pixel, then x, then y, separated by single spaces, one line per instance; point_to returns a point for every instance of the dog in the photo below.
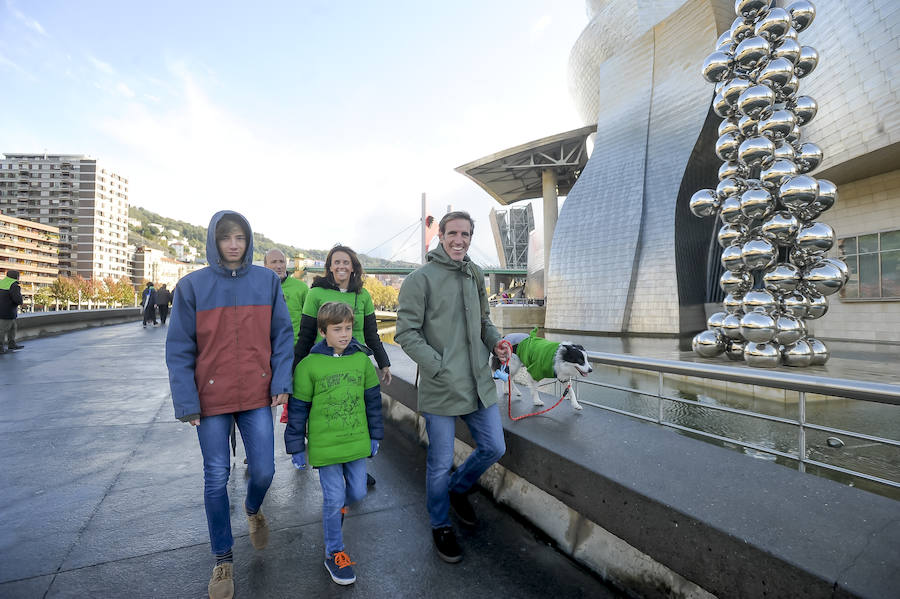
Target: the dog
pixel 542 359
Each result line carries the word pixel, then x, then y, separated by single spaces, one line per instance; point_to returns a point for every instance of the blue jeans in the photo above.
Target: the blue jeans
pixel 342 484
pixel 487 430
pixel 258 436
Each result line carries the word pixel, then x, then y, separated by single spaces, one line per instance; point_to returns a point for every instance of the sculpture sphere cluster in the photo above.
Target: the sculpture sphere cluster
pixel 777 275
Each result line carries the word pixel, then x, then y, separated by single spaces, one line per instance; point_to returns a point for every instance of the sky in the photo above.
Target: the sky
pixel 322 121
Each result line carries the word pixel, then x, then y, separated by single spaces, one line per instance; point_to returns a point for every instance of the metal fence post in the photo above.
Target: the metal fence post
pixel 801 417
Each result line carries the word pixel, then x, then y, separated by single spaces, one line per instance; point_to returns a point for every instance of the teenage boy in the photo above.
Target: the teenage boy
pixel 229 350
pixel 338 399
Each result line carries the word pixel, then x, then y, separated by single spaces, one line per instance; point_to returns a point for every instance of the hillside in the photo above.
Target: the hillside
pixel 195 236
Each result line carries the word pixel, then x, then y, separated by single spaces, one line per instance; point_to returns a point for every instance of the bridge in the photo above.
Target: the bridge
pixel 102 496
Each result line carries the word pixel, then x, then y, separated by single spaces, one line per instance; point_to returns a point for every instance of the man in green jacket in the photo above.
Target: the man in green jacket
pixel 294 290
pixel 444 325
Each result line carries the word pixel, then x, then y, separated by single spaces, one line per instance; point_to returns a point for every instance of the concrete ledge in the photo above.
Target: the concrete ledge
pixel 42 324
pixel 664 515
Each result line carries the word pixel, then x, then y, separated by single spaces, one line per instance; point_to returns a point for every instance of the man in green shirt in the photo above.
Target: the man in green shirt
pixel 294 290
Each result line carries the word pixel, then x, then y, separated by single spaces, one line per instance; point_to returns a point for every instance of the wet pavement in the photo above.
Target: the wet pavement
pixel 101 495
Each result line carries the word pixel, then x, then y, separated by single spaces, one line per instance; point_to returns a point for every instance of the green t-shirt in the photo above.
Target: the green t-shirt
pixel 337 429
pixel 361 302
pixel 295 292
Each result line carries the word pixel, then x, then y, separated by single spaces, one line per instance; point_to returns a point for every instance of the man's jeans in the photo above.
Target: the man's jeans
pixel 487 430
pixel 258 436
pixel 7 332
pixel 342 484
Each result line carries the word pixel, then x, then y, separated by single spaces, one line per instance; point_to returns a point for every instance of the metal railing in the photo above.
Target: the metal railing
pixel 803 384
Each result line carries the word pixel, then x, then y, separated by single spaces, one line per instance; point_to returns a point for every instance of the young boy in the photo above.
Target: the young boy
pixel 336 393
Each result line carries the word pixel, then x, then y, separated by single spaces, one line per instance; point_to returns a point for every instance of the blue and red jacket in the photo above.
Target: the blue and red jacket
pixel 230 342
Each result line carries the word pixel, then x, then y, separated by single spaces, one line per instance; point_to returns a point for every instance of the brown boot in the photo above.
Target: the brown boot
pixel 221 585
pixel 259 530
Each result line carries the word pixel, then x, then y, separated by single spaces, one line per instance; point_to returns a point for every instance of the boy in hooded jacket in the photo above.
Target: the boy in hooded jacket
pixel 229 353
pixel 336 397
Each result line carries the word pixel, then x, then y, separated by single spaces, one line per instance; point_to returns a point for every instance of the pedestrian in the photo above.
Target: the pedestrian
pixel 228 350
pixel 336 405
pixel 295 290
pixel 10 300
pixel 444 325
pixel 163 301
pixel 148 304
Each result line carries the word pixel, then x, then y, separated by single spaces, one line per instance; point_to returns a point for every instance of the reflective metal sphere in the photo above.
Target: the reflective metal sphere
pixel 807 62
pixel 787 48
pixel 827 195
pixel 728 126
pixel 780 228
pixel 748 126
pixel 717 66
pixel 841 266
pixel 802 258
pixel 731 326
pixel 732 260
pixel 756 150
pixel 802 14
pixel 777 126
pixel 820 351
pixel 730 187
pixel 788 329
pixel 732 169
pixel 734 349
pixel 759 300
pixel 732 234
pixel 818 305
pixel 798 354
pixel 708 344
pixel 778 172
pixel 759 253
pixel 782 278
pixel 752 52
pixel 784 151
pixel 815 237
pixel 730 211
pixel 762 355
pixel 714 322
pixel 795 304
pixel 809 157
pixel 757 203
pixel 775 74
pixel 735 87
pixel 725 38
pixel 750 9
pixel 721 107
pixel 794 135
pixel 774 25
pixel 825 277
pixel 756 100
pixel 797 192
pixel 805 108
pixel 727 146
pixel 740 29
pixel 758 327
pixel 704 203
pixel 733 304
pixel 735 282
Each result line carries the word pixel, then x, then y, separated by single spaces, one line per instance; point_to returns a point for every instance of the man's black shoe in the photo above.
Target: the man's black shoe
pixel 445 543
pixel 370 480
pixel 464 511
pixel 12 347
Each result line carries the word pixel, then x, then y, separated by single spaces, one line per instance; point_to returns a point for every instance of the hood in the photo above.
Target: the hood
pixel 355 346
pixel 212 250
pixel 439 256
pixel 324 282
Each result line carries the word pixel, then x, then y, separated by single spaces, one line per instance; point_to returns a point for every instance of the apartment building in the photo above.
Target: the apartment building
pixel 30 248
pixel 87 201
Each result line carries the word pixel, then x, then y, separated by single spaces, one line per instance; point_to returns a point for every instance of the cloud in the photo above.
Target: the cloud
pixel 26 20
pixel 101 66
pixel 539 26
pixel 124 90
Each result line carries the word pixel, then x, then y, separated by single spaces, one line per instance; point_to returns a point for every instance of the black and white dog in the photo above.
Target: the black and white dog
pixel 542 359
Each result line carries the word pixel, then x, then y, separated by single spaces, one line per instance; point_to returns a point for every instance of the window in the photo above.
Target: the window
pixel 874 262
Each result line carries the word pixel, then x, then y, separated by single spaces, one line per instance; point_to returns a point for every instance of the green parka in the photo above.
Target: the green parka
pixel 444 325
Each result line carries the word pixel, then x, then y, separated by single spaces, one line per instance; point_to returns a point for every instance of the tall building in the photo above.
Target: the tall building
pixel 30 248
pixel 511 228
pixel 85 200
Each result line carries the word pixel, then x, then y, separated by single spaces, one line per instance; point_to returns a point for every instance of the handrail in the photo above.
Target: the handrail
pixel 868 391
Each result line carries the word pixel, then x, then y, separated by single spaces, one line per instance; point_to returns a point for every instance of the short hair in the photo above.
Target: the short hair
pixel 455 215
pixel 356 278
pixel 227 224
pixel 266 257
pixel 333 313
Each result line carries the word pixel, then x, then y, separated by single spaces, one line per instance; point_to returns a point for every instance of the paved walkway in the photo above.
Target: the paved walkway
pixel 101 495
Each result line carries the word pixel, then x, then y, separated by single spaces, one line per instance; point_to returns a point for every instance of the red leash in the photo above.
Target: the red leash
pixel 509 391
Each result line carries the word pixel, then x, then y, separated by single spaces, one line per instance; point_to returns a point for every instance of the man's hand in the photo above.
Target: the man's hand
pixel 385 375
pixel 501 350
pixel 280 399
pixel 195 422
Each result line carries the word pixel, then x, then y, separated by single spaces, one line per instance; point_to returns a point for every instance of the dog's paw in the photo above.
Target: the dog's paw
pixel 538 402
pixel 577 406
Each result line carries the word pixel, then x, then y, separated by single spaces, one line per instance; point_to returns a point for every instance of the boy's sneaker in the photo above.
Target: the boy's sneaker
pixel 464 510
pixel 340 568
pixel 445 543
pixel 259 530
pixel 221 585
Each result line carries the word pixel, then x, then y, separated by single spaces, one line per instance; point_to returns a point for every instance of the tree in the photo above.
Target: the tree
pixel 42 297
pixel 63 290
pixel 124 291
pixel 383 296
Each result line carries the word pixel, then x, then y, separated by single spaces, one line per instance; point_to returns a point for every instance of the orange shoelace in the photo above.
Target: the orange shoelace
pixel 342 560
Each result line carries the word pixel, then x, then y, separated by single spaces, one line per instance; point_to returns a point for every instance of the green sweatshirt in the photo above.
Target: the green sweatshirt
pixel 295 292
pixel 361 302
